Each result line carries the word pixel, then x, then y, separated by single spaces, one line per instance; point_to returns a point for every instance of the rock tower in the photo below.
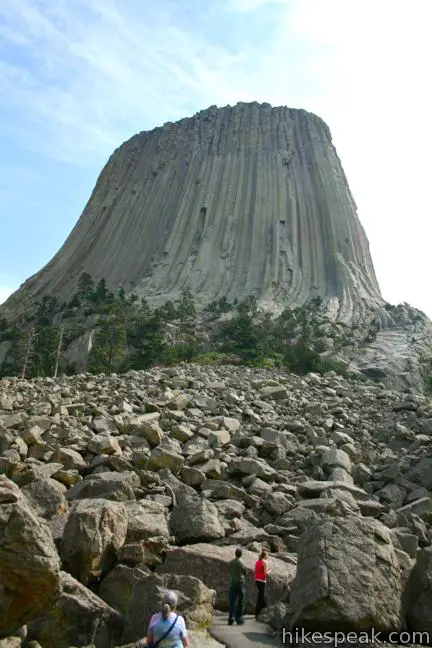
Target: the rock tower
pixel 234 201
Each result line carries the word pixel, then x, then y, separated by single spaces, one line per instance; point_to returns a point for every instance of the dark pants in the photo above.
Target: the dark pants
pixel 236 594
pixel 261 597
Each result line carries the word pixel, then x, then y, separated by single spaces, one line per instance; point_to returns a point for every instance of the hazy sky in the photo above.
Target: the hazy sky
pixel 78 77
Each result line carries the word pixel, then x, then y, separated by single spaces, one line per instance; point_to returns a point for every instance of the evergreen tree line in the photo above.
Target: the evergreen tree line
pixel 129 334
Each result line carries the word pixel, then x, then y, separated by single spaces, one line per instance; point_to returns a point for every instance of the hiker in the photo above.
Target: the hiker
pixel 261 573
pixel 167 629
pixel 236 592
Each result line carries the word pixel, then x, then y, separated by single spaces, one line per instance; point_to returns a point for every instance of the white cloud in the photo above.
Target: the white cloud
pixel 100 72
pixel 371 74
pixel 251 5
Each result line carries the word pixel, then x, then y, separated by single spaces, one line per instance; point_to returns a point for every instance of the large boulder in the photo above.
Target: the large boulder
pixel 182 492
pixel 117 586
pixel 196 521
pixel 195 602
pixel 46 497
pixel 94 531
pixel 418 593
pixel 166 455
pixel 209 563
pixel 348 577
pixel 115 486
pixel 79 618
pixel 29 563
pixel 146 519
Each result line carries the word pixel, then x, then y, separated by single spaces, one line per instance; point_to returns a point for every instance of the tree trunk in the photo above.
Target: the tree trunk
pixel 58 353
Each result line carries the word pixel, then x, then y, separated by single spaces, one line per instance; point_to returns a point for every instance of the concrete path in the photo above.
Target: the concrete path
pixel 252 634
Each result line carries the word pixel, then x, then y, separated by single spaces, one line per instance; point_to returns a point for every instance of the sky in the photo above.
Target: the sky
pixel 79 77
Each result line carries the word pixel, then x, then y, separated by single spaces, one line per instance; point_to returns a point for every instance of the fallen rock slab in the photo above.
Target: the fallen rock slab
pixel 29 563
pixel 196 521
pixel 146 519
pixel 418 593
pixel 94 531
pixel 348 577
pixel 78 618
pixel 209 563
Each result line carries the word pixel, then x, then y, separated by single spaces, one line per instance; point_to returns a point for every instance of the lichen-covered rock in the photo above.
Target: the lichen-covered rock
pixel 78 618
pixel 94 531
pixel 29 563
pixel 115 486
pixel 418 593
pixel 166 456
pixel 348 577
pixel 146 519
pixel 196 521
pixel 46 497
pixel 117 586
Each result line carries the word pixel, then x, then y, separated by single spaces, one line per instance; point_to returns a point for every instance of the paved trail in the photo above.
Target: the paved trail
pixel 252 634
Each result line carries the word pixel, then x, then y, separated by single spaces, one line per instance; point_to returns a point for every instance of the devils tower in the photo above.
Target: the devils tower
pixel 234 201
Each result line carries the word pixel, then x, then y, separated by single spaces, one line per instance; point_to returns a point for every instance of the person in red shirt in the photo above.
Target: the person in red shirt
pixel 261 573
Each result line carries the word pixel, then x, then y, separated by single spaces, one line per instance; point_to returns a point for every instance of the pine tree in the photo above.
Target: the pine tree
pixel 241 335
pixel 186 346
pixel 85 287
pixel 46 311
pixel 167 311
pixel 100 293
pixel 110 340
pixel 58 352
pixel 147 341
pixel 16 357
pixel 186 307
pixel 44 350
pixel 28 351
pixel 132 299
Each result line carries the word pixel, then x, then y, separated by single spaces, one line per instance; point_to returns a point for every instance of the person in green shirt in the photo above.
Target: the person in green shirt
pixel 236 592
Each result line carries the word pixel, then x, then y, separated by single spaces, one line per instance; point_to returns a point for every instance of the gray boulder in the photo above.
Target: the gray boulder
pixel 46 497
pixel 418 593
pixel 196 521
pixel 29 563
pixel 117 586
pixel 348 577
pixel 195 602
pixel 209 563
pixel 79 618
pixel 115 486
pixel 94 531
pixel 146 519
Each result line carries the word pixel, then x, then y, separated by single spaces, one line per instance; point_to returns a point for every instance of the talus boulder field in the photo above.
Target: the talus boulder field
pixel 343 507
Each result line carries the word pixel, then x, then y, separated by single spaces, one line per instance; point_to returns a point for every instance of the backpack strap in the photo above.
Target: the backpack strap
pixel 167 632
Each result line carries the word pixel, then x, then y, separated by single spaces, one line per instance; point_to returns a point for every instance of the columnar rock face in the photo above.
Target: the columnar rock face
pixel 235 201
